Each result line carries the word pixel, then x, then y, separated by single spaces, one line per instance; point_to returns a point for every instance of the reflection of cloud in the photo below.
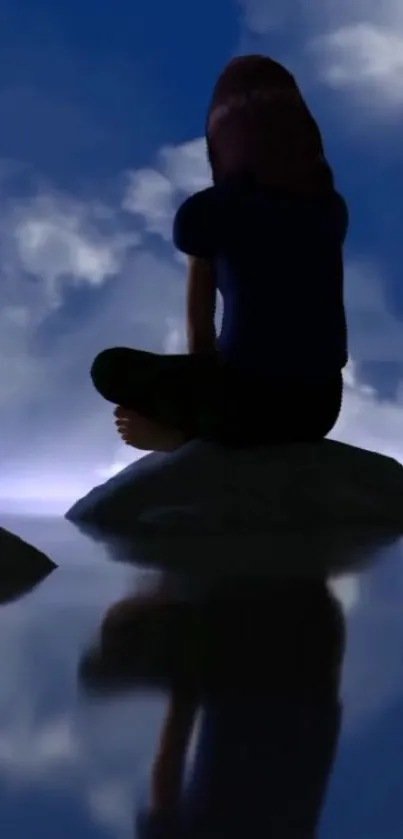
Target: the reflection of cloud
pixel 98 754
pixel 51 741
pixel 372 671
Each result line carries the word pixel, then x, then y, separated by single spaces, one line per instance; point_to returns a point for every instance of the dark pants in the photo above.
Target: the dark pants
pixel 209 399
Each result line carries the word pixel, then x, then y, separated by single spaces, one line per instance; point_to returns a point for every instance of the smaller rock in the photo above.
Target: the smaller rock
pixel 22 566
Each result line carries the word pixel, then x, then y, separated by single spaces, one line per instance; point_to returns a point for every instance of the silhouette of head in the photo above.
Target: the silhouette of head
pixel 258 125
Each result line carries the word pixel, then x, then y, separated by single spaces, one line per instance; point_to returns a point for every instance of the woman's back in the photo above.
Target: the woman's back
pixel 259 124
pixel 277 258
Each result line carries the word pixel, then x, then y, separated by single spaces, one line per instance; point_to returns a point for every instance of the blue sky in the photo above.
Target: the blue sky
pixel 102 111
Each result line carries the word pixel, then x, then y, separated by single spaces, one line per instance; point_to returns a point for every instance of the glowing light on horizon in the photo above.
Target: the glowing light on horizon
pixel 35 490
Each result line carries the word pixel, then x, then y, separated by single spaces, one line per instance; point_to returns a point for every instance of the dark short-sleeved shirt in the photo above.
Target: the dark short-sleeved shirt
pixel 278 261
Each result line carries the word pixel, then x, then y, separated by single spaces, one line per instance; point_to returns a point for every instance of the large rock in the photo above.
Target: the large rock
pixel 22 566
pixel 201 487
pixel 316 500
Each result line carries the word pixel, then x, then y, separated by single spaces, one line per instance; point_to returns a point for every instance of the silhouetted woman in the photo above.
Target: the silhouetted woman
pixel 268 236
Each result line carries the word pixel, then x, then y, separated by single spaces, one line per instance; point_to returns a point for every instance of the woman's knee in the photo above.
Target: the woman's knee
pixel 108 365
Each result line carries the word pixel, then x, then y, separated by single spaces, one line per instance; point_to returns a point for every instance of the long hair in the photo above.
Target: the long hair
pixel 259 125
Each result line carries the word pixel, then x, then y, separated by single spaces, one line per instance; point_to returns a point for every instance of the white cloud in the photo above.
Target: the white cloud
pixel 363 56
pixel 175 340
pixel 54 456
pixel 150 195
pixel 57 238
pixel 153 193
pixel 48 242
pixel 367 422
pixel 111 804
pixel 50 248
pixel 186 165
pixel 357 47
pixel 369 315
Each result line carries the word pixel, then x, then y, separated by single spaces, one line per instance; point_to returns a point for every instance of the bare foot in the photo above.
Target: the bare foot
pixel 144 434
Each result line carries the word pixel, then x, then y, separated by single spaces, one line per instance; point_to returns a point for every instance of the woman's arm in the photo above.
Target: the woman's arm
pixel 201 305
pixel 169 764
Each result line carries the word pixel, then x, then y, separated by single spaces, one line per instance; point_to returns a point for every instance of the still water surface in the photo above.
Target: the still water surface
pixel 76 763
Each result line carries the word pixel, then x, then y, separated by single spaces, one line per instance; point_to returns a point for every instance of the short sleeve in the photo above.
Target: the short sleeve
pixel 195 227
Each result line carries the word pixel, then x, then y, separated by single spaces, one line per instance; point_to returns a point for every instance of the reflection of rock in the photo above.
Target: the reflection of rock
pixel 321 553
pixel 22 566
pixel 305 501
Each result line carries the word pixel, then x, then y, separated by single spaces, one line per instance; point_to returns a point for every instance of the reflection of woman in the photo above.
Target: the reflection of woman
pixel 268 235
pixel 269 722
pixel 262 665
